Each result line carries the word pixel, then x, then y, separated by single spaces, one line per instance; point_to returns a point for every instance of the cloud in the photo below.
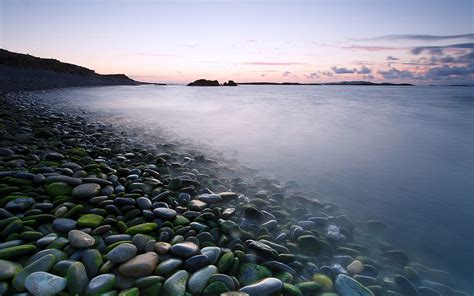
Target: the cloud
pixel 444 72
pixel 439 49
pixel 370 76
pixel 326 73
pixel 342 70
pixel 364 70
pixel 420 37
pixel 394 73
pixel 370 48
pixel 286 73
pixel 272 63
pixel 390 58
pixel 312 75
pixel 155 54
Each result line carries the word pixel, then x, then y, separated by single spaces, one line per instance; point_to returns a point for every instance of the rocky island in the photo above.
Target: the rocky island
pixel 205 82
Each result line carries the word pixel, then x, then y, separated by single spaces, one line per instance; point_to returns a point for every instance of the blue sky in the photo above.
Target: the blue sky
pixel 308 41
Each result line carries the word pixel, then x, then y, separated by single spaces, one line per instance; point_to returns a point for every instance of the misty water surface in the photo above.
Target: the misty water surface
pixel 403 155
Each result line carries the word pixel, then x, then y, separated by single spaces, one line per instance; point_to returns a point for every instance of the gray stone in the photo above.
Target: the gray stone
pixel 210 198
pixel 164 213
pixel 100 284
pixel 122 253
pixel 64 224
pixel 212 254
pixel 198 280
pixel 43 283
pixel 140 266
pixel 79 239
pixel 185 250
pixel 175 285
pixel 347 286
pixel 264 287
pixel 86 190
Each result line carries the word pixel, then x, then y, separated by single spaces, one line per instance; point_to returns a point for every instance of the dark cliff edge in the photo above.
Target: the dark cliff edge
pixel 23 72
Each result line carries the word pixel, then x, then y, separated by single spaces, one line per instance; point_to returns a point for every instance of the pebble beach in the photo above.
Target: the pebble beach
pixel 88 209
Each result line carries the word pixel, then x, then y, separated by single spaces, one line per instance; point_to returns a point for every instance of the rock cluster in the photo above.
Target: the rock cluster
pixel 84 210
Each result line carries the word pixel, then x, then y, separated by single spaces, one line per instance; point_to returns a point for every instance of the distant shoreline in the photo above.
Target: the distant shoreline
pixel 363 83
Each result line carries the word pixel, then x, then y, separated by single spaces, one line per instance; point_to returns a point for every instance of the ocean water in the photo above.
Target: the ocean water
pixel 403 155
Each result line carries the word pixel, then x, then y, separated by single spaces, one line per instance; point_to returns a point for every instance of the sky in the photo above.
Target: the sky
pixel 413 41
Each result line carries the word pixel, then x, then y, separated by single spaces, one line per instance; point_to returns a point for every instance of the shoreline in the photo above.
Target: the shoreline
pixel 76 151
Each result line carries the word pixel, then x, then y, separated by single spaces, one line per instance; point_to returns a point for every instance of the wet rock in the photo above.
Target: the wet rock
pixel 184 250
pixel 168 266
pixel 250 273
pixel 404 285
pixel 347 286
pixel 89 221
pixel 198 280
pixel 79 239
pixel 210 198
pixel 85 191
pixel 264 287
pixel 176 284
pixel 76 278
pixel 139 266
pixel 212 254
pixel 164 213
pixel 101 284
pixel 195 262
pixel 355 267
pixel 9 269
pixel 43 283
pixel 122 253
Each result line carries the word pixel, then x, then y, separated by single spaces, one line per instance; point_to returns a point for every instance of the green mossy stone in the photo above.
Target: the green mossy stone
pixel 19 182
pixel 324 281
pixel 9 269
pixel 44 263
pixel 30 235
pixel 291 290
pixel 142 228
pixel 77 279
pixel 77 151
pixel 234 269
pixel 58 188
pixel 148 281
pixel 89 221
pixel 74 212
pixel 225 262
pixel 129 292
pixel 17 251
pixel 250 273
pixel 153 290
pixel 215 288
pixel 13 227
pixel 180 221
pixel 122 227
pixel 309 287
pixel 284 276
pixel 112 246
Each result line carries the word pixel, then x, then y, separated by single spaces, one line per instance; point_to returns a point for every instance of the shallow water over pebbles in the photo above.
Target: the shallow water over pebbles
pixel 402 155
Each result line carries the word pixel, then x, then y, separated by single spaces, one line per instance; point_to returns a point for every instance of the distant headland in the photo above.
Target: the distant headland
pixel 23 72
pixel 205 82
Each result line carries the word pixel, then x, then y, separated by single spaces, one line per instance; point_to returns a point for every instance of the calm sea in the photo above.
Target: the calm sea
pixel 403 155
